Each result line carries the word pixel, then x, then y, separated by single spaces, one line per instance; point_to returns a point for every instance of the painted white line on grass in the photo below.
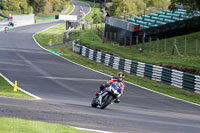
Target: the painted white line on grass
pixel 92 130
pixel 26 92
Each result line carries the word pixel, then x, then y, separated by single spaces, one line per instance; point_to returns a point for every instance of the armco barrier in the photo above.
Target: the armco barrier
pixel 173 77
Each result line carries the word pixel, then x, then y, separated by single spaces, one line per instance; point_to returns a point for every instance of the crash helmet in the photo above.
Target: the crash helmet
pixel 120 77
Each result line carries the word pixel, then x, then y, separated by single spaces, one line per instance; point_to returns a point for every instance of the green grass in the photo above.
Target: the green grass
pixel 14 125
pixel 153 56
pixel 7 90
pixel 55 34
pixel 153 85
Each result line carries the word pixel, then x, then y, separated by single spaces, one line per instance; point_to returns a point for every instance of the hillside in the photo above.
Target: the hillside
pixel 153 53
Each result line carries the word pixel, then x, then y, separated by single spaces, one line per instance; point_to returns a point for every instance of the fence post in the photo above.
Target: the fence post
pixel 115 37
pixel 165 45
pixel 157 42
pixel 130 40
pixel 110 36
pixel 185 47
pixel 150 43
pixel 136 42
pixel 125 40
pixel 175 49
pixel 107 35
pixel 196 46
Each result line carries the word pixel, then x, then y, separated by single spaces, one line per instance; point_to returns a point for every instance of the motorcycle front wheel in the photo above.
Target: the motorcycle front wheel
pixel 106 101
pixel 94 103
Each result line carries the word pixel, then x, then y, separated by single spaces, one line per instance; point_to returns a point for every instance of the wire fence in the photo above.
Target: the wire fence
pixel 176 46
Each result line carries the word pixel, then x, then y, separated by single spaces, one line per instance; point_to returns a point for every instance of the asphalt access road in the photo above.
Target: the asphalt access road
pixel 67 89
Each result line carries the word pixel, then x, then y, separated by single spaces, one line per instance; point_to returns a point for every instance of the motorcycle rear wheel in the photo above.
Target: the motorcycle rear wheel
pixel 106 101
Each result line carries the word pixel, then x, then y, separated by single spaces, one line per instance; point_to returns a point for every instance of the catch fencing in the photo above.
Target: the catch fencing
pixel 176 78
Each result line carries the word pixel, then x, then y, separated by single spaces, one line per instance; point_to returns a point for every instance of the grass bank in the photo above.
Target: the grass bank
pixel 14 125
pixel 55 35
pixel 152 53
pixel 7 90
pixel 153 85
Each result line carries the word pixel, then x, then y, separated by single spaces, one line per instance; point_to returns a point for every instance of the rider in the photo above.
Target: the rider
pixel 118 81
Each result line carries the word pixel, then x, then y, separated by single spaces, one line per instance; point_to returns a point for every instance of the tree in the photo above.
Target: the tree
pixel 140 4
pixel 25 9
pixel 160 3
pixel 13 5
pixel 38 5
pixel 189 5
pixel 122 7
pixel 97 18
pixel 3 4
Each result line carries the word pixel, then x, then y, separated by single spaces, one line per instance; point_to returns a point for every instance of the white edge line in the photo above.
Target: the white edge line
pixel 28 93
pixel 92 130
pixel 110 75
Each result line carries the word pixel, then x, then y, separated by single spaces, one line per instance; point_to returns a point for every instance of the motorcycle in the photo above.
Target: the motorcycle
pixel 106 97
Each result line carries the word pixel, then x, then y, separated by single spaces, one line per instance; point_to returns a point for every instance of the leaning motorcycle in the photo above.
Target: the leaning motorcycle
pixel 106 97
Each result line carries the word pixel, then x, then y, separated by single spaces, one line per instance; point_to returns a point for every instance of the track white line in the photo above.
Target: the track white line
pixel 111 76
pixel 26 92
pixel 92 130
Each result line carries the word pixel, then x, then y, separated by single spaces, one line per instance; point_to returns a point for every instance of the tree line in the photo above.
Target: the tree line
pixel 32 6
pixel 120 7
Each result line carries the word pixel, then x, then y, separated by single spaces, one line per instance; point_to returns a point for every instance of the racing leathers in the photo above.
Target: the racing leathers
pixel 120 85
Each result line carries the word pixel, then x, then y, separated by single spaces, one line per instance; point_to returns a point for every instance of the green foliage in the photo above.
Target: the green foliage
pixel 30 6
pixel 38 5
pixel 160 3
pixel 97 18
pixel 122 6
pixel 189 5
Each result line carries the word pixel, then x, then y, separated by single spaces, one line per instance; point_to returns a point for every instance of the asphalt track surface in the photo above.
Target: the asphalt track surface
pixel 67 89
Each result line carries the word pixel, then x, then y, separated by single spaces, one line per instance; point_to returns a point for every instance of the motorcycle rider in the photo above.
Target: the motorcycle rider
pixel 118 81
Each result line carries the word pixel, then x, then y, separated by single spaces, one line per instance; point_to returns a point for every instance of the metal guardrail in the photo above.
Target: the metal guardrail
pixel 173 77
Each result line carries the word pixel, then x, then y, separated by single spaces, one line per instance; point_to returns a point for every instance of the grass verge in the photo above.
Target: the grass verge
pixel 154 56
pixel 7 90
pixel 153 85
pixel 14 125
pixel 55 34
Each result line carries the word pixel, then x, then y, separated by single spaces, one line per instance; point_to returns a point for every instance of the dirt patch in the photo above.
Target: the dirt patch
pixel 180 68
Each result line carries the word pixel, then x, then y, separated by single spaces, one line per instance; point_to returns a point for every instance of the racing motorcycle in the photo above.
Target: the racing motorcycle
pixel 106 97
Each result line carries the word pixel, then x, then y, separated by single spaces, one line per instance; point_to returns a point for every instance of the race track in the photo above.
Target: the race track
pixel 67 89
